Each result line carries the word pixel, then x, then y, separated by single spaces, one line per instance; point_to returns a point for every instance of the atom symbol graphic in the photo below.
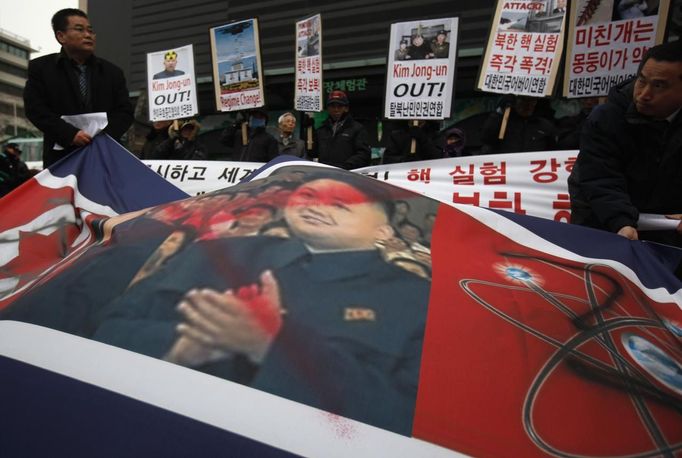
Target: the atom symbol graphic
pixel 643 353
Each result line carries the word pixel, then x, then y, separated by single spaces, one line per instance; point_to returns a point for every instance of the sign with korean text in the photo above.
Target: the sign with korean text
pixel 308 91
pixel 421 69
pixel 237 69
pixel 607 40
pixel 524 48
pixel 524 183
pixel 171 84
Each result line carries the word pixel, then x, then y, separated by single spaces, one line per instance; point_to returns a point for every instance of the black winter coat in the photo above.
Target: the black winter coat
pixel 522 135
pixel 262 147
pixel 347 148
pixel 52 91
pixel 628 164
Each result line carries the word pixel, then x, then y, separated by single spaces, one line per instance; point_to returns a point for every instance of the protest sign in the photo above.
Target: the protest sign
pixel 421 69
pixel 237 69
pixel 171 84
pixel 524 48
pixel 308 90
pixel 607 40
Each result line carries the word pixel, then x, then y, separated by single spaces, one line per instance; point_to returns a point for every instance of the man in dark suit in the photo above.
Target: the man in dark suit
pixel 74 81
pixel 319 318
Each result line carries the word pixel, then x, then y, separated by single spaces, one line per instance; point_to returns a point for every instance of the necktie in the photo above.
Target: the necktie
pixel 83 80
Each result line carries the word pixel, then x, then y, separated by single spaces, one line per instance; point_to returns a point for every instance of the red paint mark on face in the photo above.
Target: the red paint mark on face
pixel 343 427
pixel 327 192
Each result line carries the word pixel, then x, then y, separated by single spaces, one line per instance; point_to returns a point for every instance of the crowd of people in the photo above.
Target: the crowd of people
pixel 630 148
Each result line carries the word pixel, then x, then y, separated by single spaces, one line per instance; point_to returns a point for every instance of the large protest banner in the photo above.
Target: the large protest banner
pixel 524 48
pixel 237 69
pixel 171 84
pixel 309 85
pixel 607 40
pixel 306 283
pixel 524 183
pixel 421 69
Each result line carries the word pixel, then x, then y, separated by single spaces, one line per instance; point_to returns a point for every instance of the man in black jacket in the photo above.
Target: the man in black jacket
pixel 630 157
pixel 260 145
pixel 13 171
pixel 74 81
pixel 526 131
pixel 341 141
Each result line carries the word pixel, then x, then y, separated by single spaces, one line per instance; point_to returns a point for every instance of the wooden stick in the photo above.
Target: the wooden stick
pixel 245 133
pixel 413 143
pixel 505 119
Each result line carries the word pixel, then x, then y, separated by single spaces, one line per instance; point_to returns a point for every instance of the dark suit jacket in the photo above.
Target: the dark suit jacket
pixel 52 91
pixel 351 337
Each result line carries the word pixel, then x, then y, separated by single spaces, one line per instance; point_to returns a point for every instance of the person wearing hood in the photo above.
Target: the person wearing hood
pixel 341 141
pixel 181 143
pixel 398 148
pixel 13 171
pixel 630 159
pixel 260 145
pixel 454 143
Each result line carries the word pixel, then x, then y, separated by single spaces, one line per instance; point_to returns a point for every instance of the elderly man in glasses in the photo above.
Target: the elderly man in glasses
pixel 74 81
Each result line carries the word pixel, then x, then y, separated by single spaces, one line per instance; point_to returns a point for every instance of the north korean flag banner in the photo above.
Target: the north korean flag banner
pixel 319 312
pixel 58 212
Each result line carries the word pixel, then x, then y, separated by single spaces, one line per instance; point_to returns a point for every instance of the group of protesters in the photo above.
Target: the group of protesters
pixel 630 157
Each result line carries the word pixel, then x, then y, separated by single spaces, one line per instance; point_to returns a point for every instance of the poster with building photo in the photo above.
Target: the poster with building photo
pixel 607 40
pixel 171 84
pixel 524 48
pixel 421 69
pixel 308 90
pixel 237 69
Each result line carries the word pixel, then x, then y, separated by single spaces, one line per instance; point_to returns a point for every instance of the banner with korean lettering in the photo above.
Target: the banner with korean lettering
pixel 237 67
pixel 308 90
pixel 200 177
pixel 524 183
pixel 524 48
pixel 171 84
pixel 421 69
pixel 607 40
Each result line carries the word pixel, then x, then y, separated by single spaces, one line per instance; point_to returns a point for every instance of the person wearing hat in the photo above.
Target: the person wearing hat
pixel 74 81
pixel 440 49
pixel 260 145
pixel 13 171
pixel 170 60
pixel 182 143
pixel 401 52
pixel 341 141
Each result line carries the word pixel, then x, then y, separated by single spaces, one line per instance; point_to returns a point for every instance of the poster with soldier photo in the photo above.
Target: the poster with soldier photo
pixel 308 90
pixel 607 40
pixel 171 84
pixel 237 68
pixel 421 69
pixel 524 48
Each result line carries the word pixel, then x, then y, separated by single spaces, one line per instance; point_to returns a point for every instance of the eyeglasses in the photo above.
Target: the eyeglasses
pixel 82 30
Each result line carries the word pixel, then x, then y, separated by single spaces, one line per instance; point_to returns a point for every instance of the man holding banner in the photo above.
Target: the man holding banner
pixel 75 81
pixel 630 157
